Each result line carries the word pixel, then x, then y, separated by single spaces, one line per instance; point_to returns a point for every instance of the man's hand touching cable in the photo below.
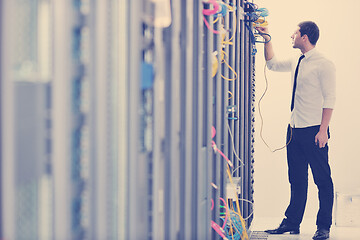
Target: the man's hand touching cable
pixel 264 32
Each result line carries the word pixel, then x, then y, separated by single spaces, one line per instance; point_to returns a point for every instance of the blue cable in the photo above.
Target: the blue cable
pixel 263 12
pixel 237 229
pixel 223 10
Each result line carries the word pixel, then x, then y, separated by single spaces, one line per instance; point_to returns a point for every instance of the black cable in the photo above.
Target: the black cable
pixel 263 34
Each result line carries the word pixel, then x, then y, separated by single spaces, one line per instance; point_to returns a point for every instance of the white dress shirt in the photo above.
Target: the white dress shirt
pixel 315 90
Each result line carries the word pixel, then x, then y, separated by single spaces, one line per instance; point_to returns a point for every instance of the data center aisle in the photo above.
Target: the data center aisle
pixel 307 230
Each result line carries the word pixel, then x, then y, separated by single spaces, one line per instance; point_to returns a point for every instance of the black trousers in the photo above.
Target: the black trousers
pixel 301 153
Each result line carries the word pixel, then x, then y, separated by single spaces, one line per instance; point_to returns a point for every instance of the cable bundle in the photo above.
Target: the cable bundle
pixel 234 229
pixel 256 17
pixel 233 226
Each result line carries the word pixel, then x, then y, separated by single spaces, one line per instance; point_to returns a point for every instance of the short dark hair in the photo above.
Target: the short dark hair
pixel 311 30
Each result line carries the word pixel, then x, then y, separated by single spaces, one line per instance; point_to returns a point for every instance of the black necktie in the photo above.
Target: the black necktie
pixel 294 88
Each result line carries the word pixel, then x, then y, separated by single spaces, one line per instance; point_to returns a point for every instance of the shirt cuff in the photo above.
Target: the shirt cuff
pixel 329 103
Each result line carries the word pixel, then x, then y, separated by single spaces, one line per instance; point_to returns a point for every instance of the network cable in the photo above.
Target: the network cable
pixel 262 35
pixel 262 120
pixel 232 141
pixel 224 9
pixel 237 222
pixel 244 233
pixel 213 144
pixel 232 227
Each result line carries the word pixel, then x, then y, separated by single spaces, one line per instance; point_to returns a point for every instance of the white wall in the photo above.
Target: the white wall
pixel 339 36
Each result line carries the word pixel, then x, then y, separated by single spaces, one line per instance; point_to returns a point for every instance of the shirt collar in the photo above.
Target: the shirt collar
pixel 308 54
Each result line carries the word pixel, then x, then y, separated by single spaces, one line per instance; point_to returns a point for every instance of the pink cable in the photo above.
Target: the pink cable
pixel 222 154
pixel 218 229
pixel 213 132
pixel 213 144
pixel 208 12
pixel 215 226
pixel 208 26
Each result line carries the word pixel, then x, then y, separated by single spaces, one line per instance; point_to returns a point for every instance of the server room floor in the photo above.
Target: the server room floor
pixel 307 230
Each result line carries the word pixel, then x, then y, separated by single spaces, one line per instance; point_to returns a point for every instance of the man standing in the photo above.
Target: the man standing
pixel 312 103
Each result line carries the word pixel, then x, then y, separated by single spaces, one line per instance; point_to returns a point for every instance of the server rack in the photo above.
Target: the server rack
pixel 183 102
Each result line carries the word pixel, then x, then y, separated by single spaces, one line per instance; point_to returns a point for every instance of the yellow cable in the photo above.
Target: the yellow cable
pixel 229 218
pixel 223 54
pixel 234 32
pixel 229 42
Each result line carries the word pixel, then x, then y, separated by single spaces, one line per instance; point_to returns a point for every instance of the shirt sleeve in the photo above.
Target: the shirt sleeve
pixel 279 66
pixel 328 84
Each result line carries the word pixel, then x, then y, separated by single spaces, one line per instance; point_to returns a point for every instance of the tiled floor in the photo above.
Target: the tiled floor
pixel 307 230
